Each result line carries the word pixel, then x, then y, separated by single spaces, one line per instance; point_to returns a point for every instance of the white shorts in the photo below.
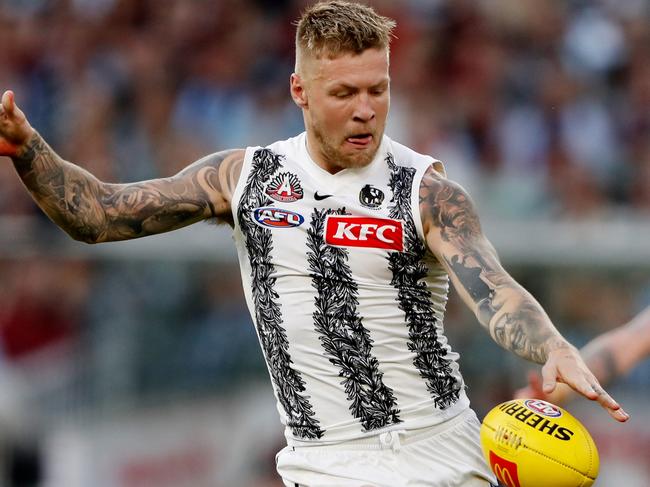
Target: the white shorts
pixel 446 455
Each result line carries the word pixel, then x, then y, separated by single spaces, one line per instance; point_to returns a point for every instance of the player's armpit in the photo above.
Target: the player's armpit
pixel 92 211
pixel 453 232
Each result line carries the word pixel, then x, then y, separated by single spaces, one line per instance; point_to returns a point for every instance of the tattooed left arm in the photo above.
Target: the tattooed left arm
pixel 513 317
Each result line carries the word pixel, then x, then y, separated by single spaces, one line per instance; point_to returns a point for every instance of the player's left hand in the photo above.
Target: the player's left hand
pixel 565 364
pixel 534 389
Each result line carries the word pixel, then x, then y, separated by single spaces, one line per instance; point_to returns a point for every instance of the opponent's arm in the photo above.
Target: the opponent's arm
pixel 93 211
pixel 609 356
pixel 514 319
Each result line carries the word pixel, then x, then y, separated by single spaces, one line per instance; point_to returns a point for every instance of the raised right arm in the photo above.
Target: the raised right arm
pixel 92 211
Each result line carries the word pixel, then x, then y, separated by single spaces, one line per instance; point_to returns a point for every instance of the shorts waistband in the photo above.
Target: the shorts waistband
pixel 392 439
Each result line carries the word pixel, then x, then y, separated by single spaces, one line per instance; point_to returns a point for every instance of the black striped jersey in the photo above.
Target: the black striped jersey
pixel 347 301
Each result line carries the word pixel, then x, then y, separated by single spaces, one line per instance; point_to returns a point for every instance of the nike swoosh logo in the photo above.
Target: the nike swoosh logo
pixel 320 197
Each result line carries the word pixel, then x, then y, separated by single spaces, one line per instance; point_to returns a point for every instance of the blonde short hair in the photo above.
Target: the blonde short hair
pixel 334 27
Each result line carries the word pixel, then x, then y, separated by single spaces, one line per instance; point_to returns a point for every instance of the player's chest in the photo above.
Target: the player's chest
pixel 347 212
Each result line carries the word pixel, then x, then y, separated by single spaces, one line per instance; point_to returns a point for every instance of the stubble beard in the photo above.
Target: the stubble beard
pixel 334 157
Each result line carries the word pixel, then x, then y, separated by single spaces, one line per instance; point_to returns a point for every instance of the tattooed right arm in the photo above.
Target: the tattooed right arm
pixel 92 211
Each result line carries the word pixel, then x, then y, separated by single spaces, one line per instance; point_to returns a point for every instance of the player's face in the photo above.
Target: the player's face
pixel 345 103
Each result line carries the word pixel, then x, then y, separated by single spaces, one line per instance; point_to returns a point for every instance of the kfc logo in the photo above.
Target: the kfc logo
pixel 357 231
pixel 505 470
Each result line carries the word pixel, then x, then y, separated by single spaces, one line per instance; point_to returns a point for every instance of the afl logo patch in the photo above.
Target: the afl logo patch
pixel 285 187
pixel 544 408
pixel 277 218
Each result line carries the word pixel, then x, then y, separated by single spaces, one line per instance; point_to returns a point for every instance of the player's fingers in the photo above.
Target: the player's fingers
pixel 583 386
pixel 613 408
pixel 8 102
pixel 594 391
pixel 549 378
pixel 619 415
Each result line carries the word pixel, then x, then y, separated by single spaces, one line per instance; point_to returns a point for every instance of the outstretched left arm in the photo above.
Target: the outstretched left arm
pixel 514 319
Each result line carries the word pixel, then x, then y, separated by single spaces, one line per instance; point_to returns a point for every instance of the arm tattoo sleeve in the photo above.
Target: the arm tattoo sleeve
pixel 513 317
pixel 92 211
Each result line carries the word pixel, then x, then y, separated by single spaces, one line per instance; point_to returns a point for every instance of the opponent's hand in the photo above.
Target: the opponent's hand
pixel 565 364
pixel 15 130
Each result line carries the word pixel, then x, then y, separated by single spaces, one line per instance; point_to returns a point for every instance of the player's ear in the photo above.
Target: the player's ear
pixel 297 89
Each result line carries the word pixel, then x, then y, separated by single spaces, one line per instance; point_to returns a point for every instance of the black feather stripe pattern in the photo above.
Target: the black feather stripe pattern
pixel 345 340
pixel 289 385
pixel 408 269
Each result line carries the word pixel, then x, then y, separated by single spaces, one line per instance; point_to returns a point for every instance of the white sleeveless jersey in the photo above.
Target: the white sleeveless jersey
pixel 347 301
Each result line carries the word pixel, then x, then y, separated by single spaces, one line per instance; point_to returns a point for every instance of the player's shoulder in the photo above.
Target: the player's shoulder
pixel 408 157
pixel 216 160
pixel 279 150
pixel 283 146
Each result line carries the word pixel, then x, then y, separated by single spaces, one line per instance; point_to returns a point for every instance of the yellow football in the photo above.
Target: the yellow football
pixel 533 443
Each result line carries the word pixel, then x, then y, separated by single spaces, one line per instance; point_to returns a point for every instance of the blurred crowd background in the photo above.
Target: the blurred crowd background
pixel 540 108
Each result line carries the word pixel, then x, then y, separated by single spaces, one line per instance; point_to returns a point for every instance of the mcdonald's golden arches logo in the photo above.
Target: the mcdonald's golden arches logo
pixel 505 470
